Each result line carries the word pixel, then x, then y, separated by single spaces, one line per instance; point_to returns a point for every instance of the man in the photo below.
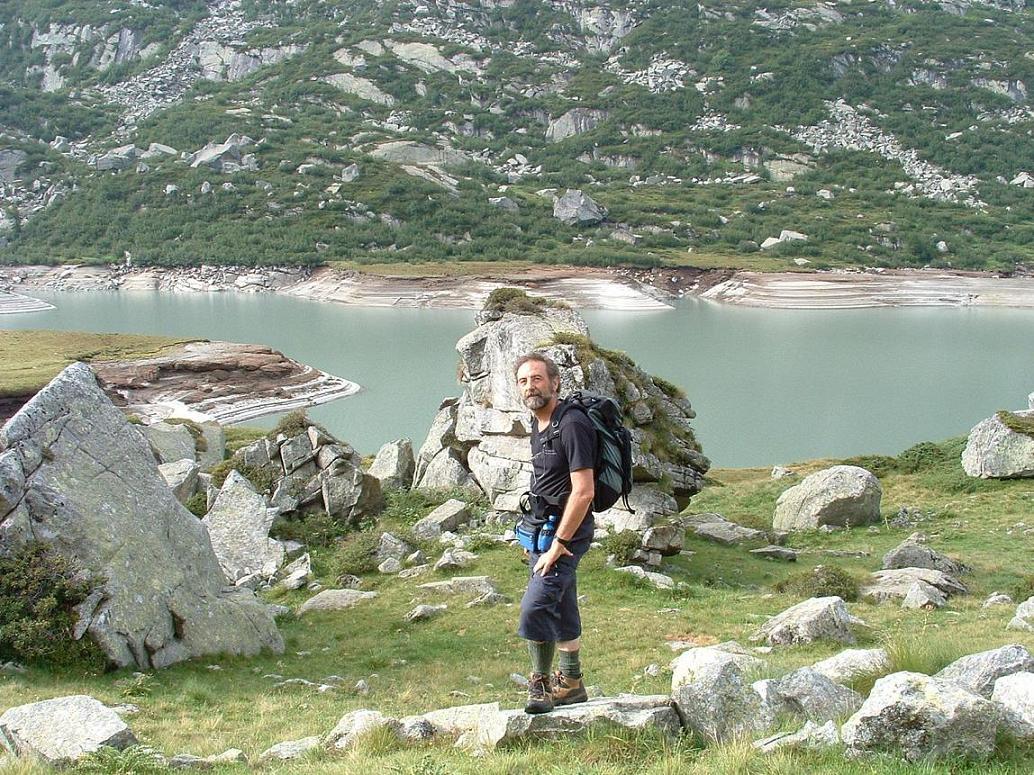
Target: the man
pixel 563 446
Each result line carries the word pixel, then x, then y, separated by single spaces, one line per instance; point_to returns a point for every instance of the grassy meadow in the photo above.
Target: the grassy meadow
pixel 467 655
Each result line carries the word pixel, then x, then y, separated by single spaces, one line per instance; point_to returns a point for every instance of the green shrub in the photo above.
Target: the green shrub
pixel 39 589
pixel 821 581
pixel 517 301
pixel 315 529
pixel 357 554
pixel 1023 589
pixel 622 545
pixel 198 504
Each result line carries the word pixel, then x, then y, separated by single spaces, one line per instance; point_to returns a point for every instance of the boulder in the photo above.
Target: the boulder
pixel 722 531
pixel 627 711
pixel 446 471
pixel 649 503
pixel 394 465
pixel 978 672
pixel 504 203
pixel 913 553
pixel 851 664
pixel 811 736
pixel 389 546
pixel 63 730
pixel 170 442
pixel 238 525
pixel 576 208
pixel 924 596
pixel 916 716
pixel 891 584
pixel 772 552
pixel 810 693
pixel 996 451
pixel 1024 617
pixel 348 493
pixel 574 122
pixel 289 749
pixel 461 585
pixel 842 496
pixel 449 516
pixel 297 574
pixel 1015 696
pixel 997 598
pixel 712 697
pixel 665 539
pixel 181 477
pixel 353 725
pixel 454 559
pixel 334 600
pixel 423 612
pixel 85 479
pixel 212 448
pixel 656 580
pixel 820 618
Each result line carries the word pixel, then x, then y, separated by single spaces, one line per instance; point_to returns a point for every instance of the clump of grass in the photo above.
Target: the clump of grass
pixel 357 554
pixel 129 761
pixel 820 581
pixel 516 301
pixel 135 686
pixel 262 479
pixel 295 423
pixel 314 529
pixel 1016 422
pixel 669 389
pixel 1023 589
pixel 622 545
pixel 923 652
pixel 197 504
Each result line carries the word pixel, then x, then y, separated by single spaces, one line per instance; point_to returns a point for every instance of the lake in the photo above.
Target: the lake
pixel 769 386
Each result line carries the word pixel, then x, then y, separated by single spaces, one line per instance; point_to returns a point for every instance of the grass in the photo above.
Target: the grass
pixel 466 655
pixel 34 357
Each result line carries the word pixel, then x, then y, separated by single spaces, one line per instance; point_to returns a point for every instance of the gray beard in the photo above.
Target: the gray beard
pixel 536 402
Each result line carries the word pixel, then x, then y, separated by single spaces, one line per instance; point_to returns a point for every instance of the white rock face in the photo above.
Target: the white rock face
pixel 75 471
pixel 995 451
pixel 1015 694
pixel 713 698
pixel 63 730
pixel 914 715
pixel 576 208
pixel 978 672
pixel 238 524
pixel 843 496
pixel 394 465
pixel 820 618
pixel 181 477
pixel 360 87
pixel 574 122
pixel 461 585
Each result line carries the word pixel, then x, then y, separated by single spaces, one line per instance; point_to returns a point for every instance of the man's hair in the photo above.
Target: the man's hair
pixel 552 370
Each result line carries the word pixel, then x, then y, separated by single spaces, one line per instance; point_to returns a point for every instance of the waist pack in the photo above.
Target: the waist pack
pixel 536 526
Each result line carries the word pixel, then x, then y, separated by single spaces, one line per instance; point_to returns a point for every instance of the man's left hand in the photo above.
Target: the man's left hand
pixel 549 559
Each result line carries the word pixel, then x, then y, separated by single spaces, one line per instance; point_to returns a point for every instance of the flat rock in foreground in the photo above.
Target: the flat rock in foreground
pixel 80 477
pixel 63 730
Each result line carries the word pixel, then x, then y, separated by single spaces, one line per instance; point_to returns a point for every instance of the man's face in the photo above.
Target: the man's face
pixel 535 385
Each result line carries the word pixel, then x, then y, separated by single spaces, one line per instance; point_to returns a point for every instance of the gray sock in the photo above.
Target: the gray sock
pixel 570 664
pixel 541 653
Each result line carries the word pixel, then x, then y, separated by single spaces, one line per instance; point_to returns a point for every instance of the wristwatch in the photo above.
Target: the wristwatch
pixel 564 542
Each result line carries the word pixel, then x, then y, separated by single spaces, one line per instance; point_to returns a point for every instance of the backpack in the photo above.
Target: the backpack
pixel 612 473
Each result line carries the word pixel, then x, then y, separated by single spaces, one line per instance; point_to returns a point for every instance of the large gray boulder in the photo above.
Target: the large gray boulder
pixel 895 584
pixel 574 122
pixel 79 477
pixel 916 716
pixel 181 477
pixel 851 664
pixel 841 496
pixel 170 442
pixel 713 698
pixel 334 600
pixel 447 517
pixel 1024 618
pixel 978 672
pixel 238 525
pixel 809 693
pixel 996 451
pixel 576 208
pixel 819 618
pixel 394 465
pixel 1015 695
pixel 63 730
pixel 914 553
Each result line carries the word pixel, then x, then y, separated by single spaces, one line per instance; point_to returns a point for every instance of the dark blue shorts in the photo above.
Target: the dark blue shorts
pixel 549 608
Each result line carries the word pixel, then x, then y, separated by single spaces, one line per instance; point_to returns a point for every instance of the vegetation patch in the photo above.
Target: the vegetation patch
pixel 820 581
pixel 622 545
pixel 357 554
pixel 517 302
pixel 1017 423
pixel 39 589
pixel 316 528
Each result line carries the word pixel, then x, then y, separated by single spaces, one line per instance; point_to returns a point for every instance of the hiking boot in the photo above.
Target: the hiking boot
pixel 567 690
pixel 540 694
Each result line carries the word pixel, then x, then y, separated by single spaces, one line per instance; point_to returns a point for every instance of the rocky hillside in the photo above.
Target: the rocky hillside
pixel 890 133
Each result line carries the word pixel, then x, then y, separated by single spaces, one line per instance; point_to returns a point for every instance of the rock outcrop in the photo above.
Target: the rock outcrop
pixel 79 477
pixel 841 496
pixel 482 437
pixel 574 122
pixel 576 208
pixel 820 618
pixel 63 730
pixel 999 448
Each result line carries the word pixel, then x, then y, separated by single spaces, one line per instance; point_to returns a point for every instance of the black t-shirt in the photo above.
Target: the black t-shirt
pixel 557 451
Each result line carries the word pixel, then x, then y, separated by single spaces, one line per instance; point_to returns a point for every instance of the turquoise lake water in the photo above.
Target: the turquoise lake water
pixel 769 386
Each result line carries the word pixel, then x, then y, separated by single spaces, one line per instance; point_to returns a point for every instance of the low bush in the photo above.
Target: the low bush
pixel 821 581
pixel 315 529
pixel 516 301
pixel 357 554
pixel 622 545
pixel 39 589
pixel 198 504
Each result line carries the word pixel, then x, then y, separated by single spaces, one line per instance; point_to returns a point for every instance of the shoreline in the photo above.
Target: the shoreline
pixel 619 290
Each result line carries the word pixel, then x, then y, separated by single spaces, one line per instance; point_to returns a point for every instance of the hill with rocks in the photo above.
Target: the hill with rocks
pixel 775 136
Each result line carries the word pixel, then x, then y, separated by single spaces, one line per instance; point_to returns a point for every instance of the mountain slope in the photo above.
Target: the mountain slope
pixel 888 134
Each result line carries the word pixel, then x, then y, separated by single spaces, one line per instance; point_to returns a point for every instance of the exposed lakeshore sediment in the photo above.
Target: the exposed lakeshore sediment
pixel 861 290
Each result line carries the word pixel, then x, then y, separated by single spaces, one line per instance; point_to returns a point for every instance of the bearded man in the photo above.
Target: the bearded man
pixel 563 446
